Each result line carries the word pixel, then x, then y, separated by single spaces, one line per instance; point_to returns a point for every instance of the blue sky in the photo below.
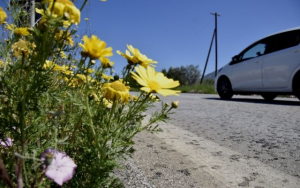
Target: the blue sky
pixel 179 32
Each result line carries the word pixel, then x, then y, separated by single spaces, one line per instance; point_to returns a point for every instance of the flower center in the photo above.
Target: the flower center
pixel 118 86
pixel 153 85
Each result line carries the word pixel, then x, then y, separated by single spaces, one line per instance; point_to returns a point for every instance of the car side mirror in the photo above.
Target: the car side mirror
pixel 234 59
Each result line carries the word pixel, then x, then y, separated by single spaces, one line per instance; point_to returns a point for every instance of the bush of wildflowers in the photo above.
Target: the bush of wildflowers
pixel 64 121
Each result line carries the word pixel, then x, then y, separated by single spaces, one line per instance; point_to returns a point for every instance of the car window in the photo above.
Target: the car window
pixel 283 41
pixel 268 45
pixel 255 51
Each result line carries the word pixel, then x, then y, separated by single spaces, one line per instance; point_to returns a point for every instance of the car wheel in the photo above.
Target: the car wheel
pixel 269 97
pixel 224 88
pixel 296 85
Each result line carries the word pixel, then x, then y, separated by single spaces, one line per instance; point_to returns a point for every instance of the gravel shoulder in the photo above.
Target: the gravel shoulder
pixel 155 164
pixel 181 159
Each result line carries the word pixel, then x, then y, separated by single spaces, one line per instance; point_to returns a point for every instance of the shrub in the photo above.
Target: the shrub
pixel 62 116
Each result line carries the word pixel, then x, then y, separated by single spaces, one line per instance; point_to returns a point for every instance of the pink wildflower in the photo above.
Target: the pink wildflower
pixel 6 143
pixel 58 166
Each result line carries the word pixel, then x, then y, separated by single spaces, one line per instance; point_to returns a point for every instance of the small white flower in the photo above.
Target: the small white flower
pixel 59 167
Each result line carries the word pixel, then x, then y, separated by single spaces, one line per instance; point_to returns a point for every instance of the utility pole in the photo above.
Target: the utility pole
pixel 216 47
pixel 211 43
pixel 29 6
pixel 216 40
pixel 32 14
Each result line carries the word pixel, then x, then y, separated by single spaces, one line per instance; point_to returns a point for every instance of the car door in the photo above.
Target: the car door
pixel 247 69
pixel 283 56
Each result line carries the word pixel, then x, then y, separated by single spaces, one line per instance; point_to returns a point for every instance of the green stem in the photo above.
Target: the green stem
pixel 110 118
pixel 90 116
pixel 137 108
pixel 22 117
pixel 132 107
pixel 151 122
pixel 26 157
pixel 23 137
pixel 111 113
pixel 147 125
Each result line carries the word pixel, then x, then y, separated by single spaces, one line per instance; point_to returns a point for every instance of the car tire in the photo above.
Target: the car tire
pixel 269 97
pixel 224 88
pixel 296 86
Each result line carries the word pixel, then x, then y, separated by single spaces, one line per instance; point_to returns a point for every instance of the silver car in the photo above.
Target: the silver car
pixel 269 67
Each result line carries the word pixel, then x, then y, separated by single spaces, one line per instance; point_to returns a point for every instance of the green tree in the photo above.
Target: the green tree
pixel 186 75
pixel 192 74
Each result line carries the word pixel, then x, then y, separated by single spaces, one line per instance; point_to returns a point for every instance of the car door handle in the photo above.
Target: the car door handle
pixel 258 61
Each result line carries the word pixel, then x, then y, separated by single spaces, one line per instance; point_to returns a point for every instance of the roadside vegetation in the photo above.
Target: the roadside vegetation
pixel 189 79
pixel 207 87
pixel 65 119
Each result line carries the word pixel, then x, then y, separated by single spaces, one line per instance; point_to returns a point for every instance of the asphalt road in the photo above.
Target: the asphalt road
pixel 209 142
pixel 265 131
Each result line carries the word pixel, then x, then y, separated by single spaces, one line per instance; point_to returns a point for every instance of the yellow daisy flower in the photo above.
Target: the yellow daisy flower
pixel 83 78
pixel 74 82
pixel 94 48
pixel 107 103
pixel 106 63
pixel 64 8
pixel 90 71
pixel 3 16
pixel 155 82
pixel 21 31
pixel 48 64
pixel 116 91
pixel 63 55
pixel 63 69
pixel 9 26
pixel 22 47
pixel 137 57
pixel 106 77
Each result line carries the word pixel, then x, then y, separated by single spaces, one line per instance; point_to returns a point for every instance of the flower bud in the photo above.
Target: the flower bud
pixel 91 96
pixel 116 77
pixel 175 104
pixel 110 65
pixel 48 158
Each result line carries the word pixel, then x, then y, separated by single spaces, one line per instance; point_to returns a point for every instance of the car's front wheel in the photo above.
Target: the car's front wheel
pixel 296 85
pixel 269 97
pixel 224 88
